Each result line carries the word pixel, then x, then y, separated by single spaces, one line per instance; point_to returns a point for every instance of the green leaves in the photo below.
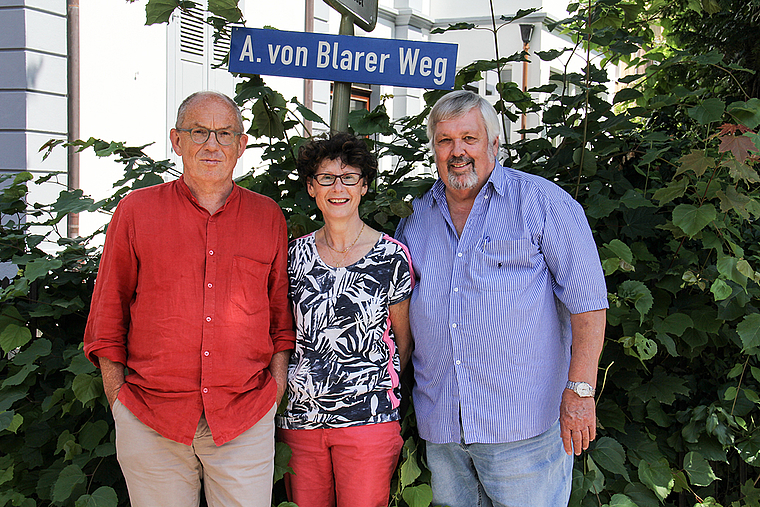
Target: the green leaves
pixel 87 387
pixel 675 324
pixel 746 113
pixel 639 294
pixel 610 455
pixel 282 455
pixel 696 161
pixel 639 346
pixel 160 11
pixel 37 268
pixel 698 470
pixel 692 219
pixel 749 450
pixel 621 500
pixel 627 94
pixel 13 333
pixel 657 477
pixel 226 9
pixel 13 336
pixel 418 496
pixel 749 332
pixel 268 117
pixel 708 111
pixel 69 478
pixel 102 497
pixel 410 470
pixel 662 387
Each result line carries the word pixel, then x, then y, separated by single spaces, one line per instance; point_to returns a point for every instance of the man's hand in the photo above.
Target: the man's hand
pixel 577 420
pixel 278 367
pixel 113 378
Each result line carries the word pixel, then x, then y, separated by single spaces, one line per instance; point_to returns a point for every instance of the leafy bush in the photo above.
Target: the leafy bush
pixel 668 177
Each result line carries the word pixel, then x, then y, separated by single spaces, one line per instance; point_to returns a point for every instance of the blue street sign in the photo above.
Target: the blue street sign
pixel 343 58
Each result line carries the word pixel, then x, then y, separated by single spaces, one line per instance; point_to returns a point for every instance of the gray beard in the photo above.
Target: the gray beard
pixel 464 181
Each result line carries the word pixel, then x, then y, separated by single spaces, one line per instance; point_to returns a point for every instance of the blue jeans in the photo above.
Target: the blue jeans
pixel 530 473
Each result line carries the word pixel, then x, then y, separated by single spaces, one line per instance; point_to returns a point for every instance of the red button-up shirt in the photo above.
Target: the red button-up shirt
pixel 195 305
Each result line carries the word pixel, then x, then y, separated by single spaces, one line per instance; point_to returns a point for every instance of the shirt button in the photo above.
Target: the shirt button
pixel 206 353
pixel 211 252
pixel 208 319
pixel 458 361
pixel 205 390
pixel 210 285
pixel 456 289
pixel 485 197
pixel 453 325
pixel 459 254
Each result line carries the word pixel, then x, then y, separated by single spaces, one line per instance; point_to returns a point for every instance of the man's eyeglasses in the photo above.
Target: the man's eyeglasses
pixel 348 179
pixel 201 135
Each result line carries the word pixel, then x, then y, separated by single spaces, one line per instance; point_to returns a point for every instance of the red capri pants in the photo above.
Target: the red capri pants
pixel 347 467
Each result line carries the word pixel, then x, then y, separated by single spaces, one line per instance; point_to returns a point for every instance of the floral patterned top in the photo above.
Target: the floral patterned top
pixel 344 370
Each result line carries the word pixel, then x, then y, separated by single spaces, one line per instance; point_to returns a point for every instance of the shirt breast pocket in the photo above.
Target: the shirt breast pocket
pixel 503 265
pixel 249 285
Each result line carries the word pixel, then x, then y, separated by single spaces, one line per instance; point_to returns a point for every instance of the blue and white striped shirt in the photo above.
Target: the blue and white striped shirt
pixel 491 311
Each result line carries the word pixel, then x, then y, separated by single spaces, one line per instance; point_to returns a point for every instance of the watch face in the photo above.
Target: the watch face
pixel 584 389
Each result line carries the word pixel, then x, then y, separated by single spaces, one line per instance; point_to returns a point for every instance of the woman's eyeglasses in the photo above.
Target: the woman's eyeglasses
pixel 348 179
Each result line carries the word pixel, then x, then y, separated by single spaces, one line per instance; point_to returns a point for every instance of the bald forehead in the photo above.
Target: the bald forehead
pixel 206 99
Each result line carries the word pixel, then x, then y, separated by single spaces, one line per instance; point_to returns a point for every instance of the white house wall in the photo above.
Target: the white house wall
pixel 32 83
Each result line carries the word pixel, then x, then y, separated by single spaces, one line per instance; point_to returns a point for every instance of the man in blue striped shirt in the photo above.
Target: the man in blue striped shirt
pixel 508 318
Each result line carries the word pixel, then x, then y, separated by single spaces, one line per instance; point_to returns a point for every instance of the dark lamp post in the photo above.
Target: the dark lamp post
pixel 526 33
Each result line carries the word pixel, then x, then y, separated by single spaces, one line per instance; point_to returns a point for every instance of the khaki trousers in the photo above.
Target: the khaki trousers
pixel 163 473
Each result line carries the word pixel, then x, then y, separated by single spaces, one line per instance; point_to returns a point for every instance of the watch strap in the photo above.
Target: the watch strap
pixel 582 389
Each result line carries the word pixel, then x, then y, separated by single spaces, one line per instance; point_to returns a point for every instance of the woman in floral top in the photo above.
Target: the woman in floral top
pixel 350 286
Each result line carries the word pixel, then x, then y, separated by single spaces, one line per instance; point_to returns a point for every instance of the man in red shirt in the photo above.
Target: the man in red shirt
pixel 191 297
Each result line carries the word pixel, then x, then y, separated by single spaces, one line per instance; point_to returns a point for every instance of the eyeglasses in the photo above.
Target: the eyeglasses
pixel 201 135
pixel 348 179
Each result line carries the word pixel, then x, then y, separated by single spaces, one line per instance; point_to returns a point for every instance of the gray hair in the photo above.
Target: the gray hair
pixel 458 103
pixel 182 111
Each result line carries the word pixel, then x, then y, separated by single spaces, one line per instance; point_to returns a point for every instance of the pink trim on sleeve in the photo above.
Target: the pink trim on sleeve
pixel 395 402
pixel 408 256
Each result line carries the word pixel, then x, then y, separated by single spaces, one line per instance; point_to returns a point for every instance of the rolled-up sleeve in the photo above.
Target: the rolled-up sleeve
pixel 108 322
pixel 572 258
pixel 281 317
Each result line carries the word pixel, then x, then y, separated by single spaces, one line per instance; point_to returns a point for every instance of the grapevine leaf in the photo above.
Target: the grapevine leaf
pixel 692 219
pixel 657 477
pixel 695 161
pixel 698 469
pixel 749 331
pixel 610 455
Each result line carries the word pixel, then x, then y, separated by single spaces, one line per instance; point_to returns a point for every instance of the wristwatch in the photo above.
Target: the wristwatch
pixel 582 389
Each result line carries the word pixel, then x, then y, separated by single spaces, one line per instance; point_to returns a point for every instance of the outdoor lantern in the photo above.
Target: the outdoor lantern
pixel 526 32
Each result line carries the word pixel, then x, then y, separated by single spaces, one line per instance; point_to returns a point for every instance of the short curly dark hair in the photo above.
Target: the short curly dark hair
pixel 351 150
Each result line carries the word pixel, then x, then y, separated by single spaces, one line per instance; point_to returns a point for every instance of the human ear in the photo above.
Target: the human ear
pixel 174 138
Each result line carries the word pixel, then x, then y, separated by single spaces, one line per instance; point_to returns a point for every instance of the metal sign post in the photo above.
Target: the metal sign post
pixel 364 14
pixel 341 91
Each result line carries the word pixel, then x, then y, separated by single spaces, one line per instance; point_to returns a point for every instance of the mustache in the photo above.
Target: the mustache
pixel 460 160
